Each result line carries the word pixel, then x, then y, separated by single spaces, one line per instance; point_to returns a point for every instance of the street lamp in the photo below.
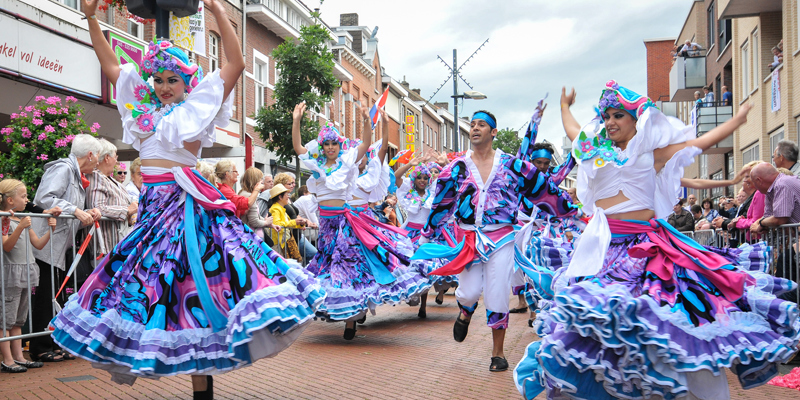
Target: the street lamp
pixel 470 94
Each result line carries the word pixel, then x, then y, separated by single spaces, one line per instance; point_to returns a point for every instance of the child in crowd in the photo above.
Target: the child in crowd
pixel 20 270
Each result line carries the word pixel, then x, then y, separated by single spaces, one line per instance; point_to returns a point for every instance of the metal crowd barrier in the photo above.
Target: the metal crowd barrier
pixel 310 235
pixel 783 242
pixel 53 283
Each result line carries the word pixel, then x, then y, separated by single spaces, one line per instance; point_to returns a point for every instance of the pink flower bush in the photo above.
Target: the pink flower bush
pixel 38 133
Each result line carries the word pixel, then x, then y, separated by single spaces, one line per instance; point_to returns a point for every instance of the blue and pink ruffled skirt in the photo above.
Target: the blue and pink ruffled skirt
pixel 629 331
pixel 146 311
pixel 440 283
pixel 362 264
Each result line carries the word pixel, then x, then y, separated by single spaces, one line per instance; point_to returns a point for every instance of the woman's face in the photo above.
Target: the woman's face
pixel 421 182
pixel 232 177
pixel 741 197
pixel 435 174
pixel 331 149
pixel 119 175
pixel 706 205
pixel 620 125
pixel 106 165
pixel 169 87
pixel 136 177
pixel 290 185
pixel 747 183
pixel 283 198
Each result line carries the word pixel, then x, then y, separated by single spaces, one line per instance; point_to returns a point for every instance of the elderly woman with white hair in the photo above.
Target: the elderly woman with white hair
pixel 63 185
pixel 109 196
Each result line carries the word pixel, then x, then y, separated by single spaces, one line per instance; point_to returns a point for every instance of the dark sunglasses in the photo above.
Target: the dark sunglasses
pixel 122 172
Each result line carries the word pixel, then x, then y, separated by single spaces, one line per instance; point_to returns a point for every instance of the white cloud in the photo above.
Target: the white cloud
pixel 535 47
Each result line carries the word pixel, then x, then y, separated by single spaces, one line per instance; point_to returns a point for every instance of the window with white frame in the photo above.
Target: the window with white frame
pixel 754 75
pixel 774 138
pixel 136 29
pixel 751 154
pixel 703 161
pixel 260 78
pixel 213 52
pixel 745 69
pixel 718 191
pixel 70 3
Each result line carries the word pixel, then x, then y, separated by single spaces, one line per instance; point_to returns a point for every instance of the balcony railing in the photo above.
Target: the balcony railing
pixel 687 73
pixel 709 115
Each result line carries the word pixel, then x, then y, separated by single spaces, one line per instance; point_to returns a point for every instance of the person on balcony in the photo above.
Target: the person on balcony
pixel 727 96
pixel 689 49
pixel 777 58
pixel 708 97
pixel 785 156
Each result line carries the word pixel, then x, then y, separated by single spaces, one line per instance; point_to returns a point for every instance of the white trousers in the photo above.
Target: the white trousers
pixel 492 278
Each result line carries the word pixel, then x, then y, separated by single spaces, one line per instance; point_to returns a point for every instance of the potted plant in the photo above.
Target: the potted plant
pixel 41 133
pixel 138 10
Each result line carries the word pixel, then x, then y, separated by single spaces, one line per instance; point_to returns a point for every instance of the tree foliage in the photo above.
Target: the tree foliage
pixel 507 140
pixel 306 75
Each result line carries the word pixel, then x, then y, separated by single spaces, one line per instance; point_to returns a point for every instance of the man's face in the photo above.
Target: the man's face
pixel 480 133
pixel 542 164
pixel 691 199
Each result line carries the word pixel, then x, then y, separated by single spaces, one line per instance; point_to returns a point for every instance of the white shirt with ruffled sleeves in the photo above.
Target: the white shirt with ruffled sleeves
pixel 333 184
pixel 193 119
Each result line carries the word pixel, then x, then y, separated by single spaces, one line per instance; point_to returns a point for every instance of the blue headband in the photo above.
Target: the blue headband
pixel 541 153
pixel 484 116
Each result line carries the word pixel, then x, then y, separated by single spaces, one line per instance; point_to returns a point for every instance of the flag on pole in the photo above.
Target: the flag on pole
pixel 402 157
pixel 374 115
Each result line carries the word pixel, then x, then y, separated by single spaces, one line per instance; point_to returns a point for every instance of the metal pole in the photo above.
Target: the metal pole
pixel 456 130
pixel 162 24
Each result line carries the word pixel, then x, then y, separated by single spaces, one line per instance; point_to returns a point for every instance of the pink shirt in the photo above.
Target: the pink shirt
pixel 754 213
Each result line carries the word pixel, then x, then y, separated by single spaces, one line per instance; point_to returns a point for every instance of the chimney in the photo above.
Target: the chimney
pixel 442 104
pixel 416 91
pixel 350 19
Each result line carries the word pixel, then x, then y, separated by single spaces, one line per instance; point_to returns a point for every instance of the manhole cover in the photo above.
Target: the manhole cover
pixel 76 378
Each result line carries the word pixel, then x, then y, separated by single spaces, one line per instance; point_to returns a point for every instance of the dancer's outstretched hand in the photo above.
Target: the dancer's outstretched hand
pixel 567 99
pixel 213 6
pixel 89 7
pixel 299 110
pixel 743 110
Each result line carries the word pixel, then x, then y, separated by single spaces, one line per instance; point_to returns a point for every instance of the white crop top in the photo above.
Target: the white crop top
pixel 372 185
pixel 635 175
pixel 191 120
pixel 417 207
pixel 331 185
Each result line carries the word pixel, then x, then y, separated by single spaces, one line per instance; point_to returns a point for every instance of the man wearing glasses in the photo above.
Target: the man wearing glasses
pixel 785 156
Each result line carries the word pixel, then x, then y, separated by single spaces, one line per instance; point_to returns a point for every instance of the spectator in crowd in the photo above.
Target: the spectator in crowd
pixel 785 156
pixel 781 206
pixel 777 58
pixel 386 210
pixel 690 201
pixel 279 199
pixel 288 180
pixel 744 200
pixel 227 176
pixel 206 170
pixel 252 176
pixel 708 97
pixel 727 96
pixel 689 49
pixel 308 208
pixel 134 186
pixel 698 99
pixel 709 213
pixel 120 173
pixel 681 219
pixel 263 198
pixel 20 272
pixel 573 194
pixel 700 222
pixel 63 185
pixel 727 208
pixel 109 196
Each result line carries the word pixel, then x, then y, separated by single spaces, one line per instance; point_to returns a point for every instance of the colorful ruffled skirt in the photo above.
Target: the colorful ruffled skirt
pixel 645 327
pixel 448 236
pixel 362 264
pixel 190 290
pixel 535 245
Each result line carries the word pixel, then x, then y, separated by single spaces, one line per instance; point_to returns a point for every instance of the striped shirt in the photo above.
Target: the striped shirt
pixel 783 198
pixel 111 198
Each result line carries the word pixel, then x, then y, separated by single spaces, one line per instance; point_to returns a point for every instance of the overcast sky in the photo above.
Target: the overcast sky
pixel 535 47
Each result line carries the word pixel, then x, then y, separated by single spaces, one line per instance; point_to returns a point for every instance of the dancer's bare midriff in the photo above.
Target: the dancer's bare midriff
pixel 192 147
pixel 619 198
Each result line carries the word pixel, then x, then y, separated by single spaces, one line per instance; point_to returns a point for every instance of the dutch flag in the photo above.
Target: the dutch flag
pixel 374 115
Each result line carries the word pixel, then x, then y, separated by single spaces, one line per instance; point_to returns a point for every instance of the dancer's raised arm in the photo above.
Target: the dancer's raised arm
pixel 571 125
pixel 366 133
pixel 384 136
pixel 108 61
pixel 297 116
pixel 234 66
pixel 402 170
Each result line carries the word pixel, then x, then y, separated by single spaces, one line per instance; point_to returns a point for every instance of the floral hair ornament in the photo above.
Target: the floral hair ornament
pixel 163 56
pixel 616 96
pixel 419 170
pixel 433 165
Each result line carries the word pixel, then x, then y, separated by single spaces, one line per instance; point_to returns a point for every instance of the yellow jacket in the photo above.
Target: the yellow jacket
pixel 281 218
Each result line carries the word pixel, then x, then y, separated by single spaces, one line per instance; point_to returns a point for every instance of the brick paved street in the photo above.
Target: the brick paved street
pixel 394 356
